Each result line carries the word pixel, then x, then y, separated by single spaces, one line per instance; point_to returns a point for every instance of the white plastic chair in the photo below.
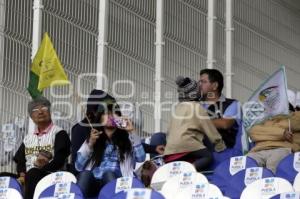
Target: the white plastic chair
pixel 163 173
pixel 287 195
pixel 9 193
pixel 178 183
pixel 266 188
pixel 200 190
pixel 51 179
pixel 297 182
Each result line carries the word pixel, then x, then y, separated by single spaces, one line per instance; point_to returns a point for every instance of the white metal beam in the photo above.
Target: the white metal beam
pixel 229 44
pixel 102 43
pixel 158 64
pixel 211 17
pixel 2 25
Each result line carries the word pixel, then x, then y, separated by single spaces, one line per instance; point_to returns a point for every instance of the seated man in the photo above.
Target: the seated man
pixel 225 113
pixel 43 151
pixel 273 140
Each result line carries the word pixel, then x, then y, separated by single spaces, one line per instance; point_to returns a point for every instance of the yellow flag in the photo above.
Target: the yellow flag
pixel 47 66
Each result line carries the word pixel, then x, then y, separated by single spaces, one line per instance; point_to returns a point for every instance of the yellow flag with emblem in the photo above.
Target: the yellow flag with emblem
pixel 46 69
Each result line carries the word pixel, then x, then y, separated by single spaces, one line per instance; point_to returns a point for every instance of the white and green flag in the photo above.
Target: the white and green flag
pixel 269 100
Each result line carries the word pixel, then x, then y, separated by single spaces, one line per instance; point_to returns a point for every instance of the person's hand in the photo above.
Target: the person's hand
pixel 160 149
pixel 21 179
pixel 94 135
pixel 287 135
pixel 220 145
pixel 129 125
pixel 41 161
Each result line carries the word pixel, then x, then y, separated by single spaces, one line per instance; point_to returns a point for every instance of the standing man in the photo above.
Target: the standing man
pixel 43 151
pixel 224 112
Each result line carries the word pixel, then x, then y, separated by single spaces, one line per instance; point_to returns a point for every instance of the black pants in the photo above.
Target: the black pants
pixel 7 174
pixel 90 186
pixel 32 177
pixel 203 158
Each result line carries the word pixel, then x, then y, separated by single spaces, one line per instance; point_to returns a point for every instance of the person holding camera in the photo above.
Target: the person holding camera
pixel 43 151
pixel 108 152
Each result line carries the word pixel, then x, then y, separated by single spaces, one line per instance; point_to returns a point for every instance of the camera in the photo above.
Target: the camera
pixel 118 123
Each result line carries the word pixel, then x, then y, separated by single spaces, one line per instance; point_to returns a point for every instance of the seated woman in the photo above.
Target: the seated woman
pixel 188 126
pixel 108 152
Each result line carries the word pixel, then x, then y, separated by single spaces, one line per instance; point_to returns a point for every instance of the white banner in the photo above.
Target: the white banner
pixel 269 100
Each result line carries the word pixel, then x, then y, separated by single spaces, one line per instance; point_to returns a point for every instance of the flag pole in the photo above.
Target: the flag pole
pixel 36 39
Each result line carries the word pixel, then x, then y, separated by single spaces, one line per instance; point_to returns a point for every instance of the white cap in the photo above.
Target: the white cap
pixel 292 97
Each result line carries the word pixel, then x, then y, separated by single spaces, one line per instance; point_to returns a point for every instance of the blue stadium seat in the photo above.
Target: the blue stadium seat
pixel 109 190
pixel 237 150
pixel 222 172
pixel 139 193
pixel 55 189
pixel 238 182
pixel 285 168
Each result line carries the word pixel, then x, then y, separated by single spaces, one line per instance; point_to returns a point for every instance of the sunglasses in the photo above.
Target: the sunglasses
pixel 43 109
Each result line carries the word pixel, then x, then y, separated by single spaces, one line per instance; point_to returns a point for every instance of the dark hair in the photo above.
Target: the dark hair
pixel 214 76
pixel 291 108
pixel 120 138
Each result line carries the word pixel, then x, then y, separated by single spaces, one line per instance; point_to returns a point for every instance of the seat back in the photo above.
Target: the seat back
pixel 243 178
pixel 9 182
pixel 163 173
pixel 53 178
pixel 266 188
pixel 288 167
pixel 10 193
pixel 199 190
pixel 297 182
pixel 59 189
pixel 287 195
pixel 120 184
pixel 177 183
pixel 228 168
pixel 139 193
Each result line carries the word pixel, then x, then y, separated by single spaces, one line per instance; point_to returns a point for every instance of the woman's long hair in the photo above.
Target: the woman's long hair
pixel 120 139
